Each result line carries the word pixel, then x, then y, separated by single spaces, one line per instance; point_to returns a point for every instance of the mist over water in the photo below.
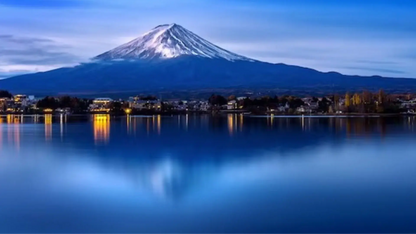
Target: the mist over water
pixel 197 173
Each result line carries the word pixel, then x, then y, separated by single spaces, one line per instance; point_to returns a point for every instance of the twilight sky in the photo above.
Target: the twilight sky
pixel 357 37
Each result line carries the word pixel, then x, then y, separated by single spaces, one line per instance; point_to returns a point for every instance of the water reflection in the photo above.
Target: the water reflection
pixel 101 128
pixel 128 124
pixel 230 121
pixel 240 173
pixel 62 120
pixel 13 130
pixel 48 127
pixel 235 122
pixel 159 124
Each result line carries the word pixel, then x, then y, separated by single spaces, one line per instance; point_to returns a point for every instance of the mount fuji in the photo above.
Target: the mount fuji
pixel 169 41
pixel 170 59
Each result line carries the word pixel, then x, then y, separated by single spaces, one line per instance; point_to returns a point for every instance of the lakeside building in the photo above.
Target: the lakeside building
pixel 177 105
pixel 101 105
pixel 410 104
pixel 139 103
pixel 308 105
pixel 232 105
pixel 154 104
pixel 199 106
pixel 17 103
pixel 304 109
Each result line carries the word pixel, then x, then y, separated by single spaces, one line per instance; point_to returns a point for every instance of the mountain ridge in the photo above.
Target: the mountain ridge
pixel 170 58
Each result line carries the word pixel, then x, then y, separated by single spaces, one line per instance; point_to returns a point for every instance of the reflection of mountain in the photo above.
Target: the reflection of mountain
pixel 165 178
pixel 170 156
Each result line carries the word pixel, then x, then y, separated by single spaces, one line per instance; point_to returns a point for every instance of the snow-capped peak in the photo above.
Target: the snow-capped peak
pixel 168 41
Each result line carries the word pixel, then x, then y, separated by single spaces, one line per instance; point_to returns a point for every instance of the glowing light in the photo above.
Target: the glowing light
pixel 17 135
pixel 16 120
pixel 128 124
pixel 153 122
pixel 158 124
pixel 48 110
pixel 101 110
pixel 101 127
pixel 303 122
pixel 10 119
pixel 230 124
pixel 48 126
pixel 61 122
pixel 128 111
pixel 241 122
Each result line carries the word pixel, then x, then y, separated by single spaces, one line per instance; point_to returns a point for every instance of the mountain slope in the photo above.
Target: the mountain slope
pixel 170 58
pixel 168 41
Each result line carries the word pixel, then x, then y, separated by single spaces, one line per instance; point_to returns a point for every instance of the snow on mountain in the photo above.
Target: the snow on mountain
pixel 168 41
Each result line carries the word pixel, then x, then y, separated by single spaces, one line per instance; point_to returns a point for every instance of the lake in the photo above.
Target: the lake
pixel 198 173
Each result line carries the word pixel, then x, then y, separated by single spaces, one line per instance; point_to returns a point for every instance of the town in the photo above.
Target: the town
pixel 357 103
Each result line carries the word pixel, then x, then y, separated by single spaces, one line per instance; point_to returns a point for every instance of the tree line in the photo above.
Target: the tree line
pixel 364 102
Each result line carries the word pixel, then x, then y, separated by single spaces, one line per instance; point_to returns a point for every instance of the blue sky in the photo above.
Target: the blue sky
pixel 366 37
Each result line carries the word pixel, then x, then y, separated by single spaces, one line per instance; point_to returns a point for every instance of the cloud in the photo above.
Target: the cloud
pixel 23 40
pixel 379 70
pixel 10 73
pixel 43 3
pixel 31 52
pixel 33 56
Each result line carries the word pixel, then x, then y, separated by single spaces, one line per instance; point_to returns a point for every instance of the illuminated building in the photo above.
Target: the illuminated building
pixel 232 105
pixel 17 103
pixel 139 103
pixel 101 105
pixel 4 103
pixel 21 99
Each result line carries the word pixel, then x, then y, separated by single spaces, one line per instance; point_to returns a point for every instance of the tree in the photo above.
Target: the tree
pixel 5 94
pixel 324 104
pixel 48 102
pixel 356 100
pixel 347 100
pixel 336 99
pixel 380 109
pixel 295 102
pixel 149 98
pixel 65 102
pixel 367 97
pixel 231 98
pixel 381 96
pixel 331 110
pixel 217 100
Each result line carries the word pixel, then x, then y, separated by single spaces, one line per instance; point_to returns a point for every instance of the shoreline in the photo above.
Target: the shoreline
pixel 346 115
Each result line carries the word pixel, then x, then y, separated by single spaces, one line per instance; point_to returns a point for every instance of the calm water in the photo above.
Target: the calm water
pixel 203 174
